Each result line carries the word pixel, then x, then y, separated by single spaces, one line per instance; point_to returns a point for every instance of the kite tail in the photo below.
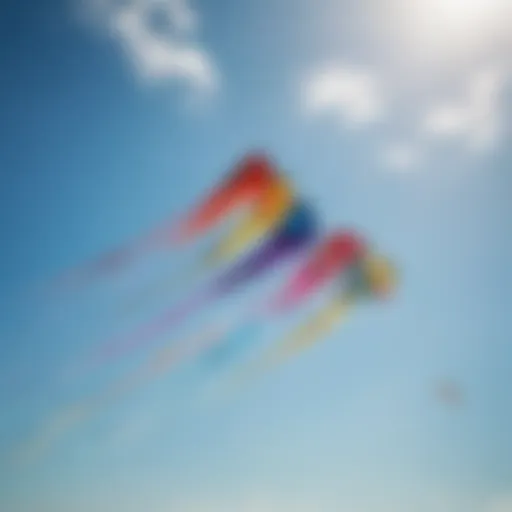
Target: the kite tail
pixel 115 260
pixel 301 338
pixel 309 333
pixel 118 348
pixel 235 243
pixel 239 339
pixel 162 287
pixel 163 361
pixel 299 288
pixel 54 428
pixel 75 414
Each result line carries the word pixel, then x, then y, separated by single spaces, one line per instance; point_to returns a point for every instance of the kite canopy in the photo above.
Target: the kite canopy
pixel 373 276
pixel 245 184
pixel 382 275
pixel 297 230
pixel 268 210
pixel 334 254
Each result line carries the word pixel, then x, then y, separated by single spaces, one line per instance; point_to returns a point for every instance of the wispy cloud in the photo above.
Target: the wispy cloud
pixel 353 94
pixel 475 120
pixel 159 38
pixel 476 117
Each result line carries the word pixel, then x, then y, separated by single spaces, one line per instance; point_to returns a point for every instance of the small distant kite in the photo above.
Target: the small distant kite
pixel 449 393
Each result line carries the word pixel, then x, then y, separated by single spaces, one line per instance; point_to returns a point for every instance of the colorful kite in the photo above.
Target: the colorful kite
pixel 332 256
pixel 449 393
pixel 328 260
pixel 274 227
pixel 267 211
pixel 245 185
pixel 372 277
pixel 297 231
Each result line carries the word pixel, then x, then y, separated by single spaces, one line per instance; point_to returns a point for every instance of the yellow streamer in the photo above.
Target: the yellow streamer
pixel 309 333
pixel 266 214
pixel 262 218
pixel 300 339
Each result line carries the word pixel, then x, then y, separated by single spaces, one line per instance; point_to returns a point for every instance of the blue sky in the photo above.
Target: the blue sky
pixel 393 117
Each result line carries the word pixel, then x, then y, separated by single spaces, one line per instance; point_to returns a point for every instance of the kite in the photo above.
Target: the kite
pixel 296 232
pixel 272 226
pixel 266 213
pixel 249 180
pixel 450 393
pixel 245 185
pixel 336 252
pixel 330 258
pixel 372 277
pixel 272 205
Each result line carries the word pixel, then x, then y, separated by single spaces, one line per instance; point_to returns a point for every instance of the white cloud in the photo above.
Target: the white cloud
pixel 476 118
pixel 158 36
pixel 351 93
pixel 400 156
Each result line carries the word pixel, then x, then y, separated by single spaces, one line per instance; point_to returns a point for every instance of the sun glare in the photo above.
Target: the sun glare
pixel 462 14
pixel 458 22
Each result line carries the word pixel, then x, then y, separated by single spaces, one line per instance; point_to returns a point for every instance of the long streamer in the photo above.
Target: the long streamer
pixel 330 258
pixel 370 277
pixel 267 212
pixel 297 231
pixel 70 417
pixel 245 184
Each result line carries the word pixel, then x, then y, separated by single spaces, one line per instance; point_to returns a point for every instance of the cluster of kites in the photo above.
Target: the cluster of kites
pixel 260 224
pixel 273 227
